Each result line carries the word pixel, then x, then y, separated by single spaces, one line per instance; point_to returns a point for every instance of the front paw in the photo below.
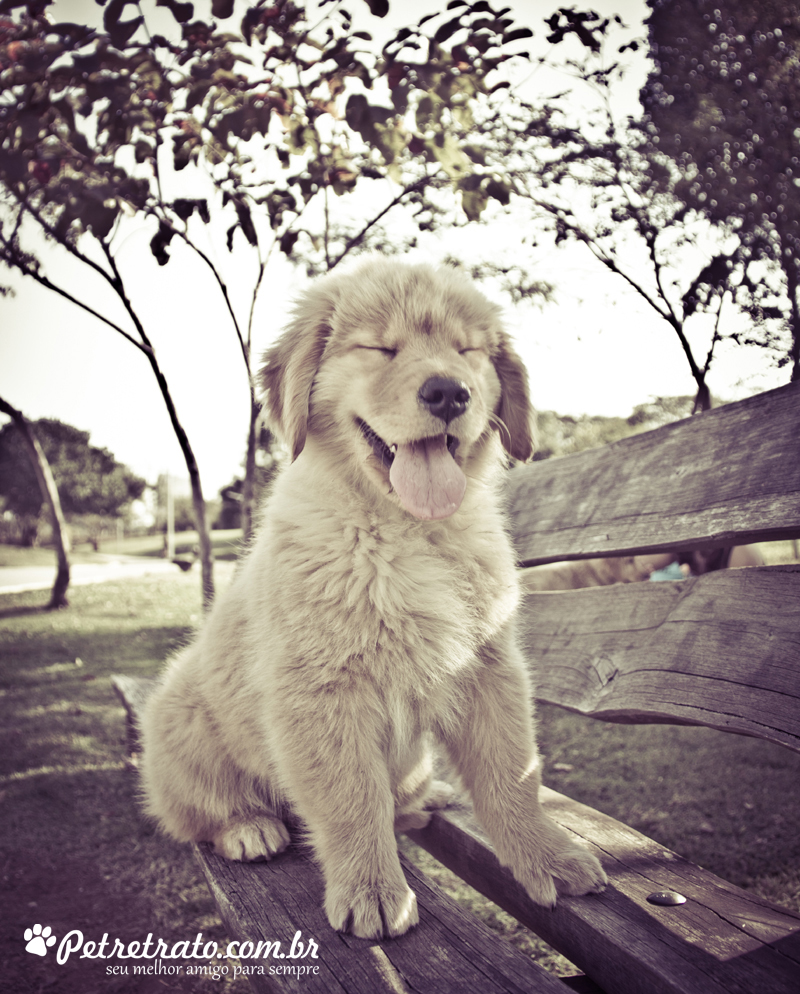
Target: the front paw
pixel 371 911
pixel 557 865
pixel 577 872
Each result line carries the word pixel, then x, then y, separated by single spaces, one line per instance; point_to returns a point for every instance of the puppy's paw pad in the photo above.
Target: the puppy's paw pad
pixel 374 913
pixel 258 838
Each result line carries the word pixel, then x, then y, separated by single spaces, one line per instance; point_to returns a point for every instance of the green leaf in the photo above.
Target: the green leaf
pixel 473 203
pixel 119 31
pixel 181 152
pixel 287 242
pixel 358 117
pixel 144 150
pixel 462 115
pixel 198 92
pixel 221 9
pixel 448 152
pixel 99 218
pixel 447 30
pixel 182 12
pixel 517 34
pixel 183 208
pixel 499 191
pixel 378 8
pixel 246 221
pixel 475 153
pixel 424 112
pixel 159 243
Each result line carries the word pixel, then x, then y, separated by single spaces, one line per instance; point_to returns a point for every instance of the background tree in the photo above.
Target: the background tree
pixel 90 480
pixel 599 179
pixel 723 101
pixel 583 173
pixel 47 490
pixel 562 434
pixel 71 98
pixel 271 454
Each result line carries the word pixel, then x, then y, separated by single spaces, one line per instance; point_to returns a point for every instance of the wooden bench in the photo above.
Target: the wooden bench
pixel 720 650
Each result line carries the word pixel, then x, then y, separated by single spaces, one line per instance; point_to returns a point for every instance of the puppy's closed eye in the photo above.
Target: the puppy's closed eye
pixel 385 350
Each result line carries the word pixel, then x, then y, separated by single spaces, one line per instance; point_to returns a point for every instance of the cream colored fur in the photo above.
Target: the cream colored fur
pixel 354 635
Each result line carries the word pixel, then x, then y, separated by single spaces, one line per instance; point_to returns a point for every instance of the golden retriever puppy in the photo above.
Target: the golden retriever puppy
pixel 374 614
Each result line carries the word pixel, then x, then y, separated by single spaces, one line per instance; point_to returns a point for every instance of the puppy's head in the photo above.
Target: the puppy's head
pixel 405 373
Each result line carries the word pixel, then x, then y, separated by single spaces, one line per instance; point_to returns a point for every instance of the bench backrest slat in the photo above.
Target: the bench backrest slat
pixel 720 650
pixel 728 476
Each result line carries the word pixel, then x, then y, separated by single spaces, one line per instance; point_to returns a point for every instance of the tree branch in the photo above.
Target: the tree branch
pixel 357 239
pixel 50 230
pixel 9 257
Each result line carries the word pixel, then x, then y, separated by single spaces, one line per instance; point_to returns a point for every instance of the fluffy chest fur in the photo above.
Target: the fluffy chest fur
pixel 359 591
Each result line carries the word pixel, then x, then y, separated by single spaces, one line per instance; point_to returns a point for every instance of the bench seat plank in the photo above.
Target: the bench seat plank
pixel 449 952
pixel 724 940
pixel 591 503
pixel 719 650
pixel 133 692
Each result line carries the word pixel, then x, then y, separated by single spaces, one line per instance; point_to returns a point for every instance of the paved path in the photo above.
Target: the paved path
pixel 14 579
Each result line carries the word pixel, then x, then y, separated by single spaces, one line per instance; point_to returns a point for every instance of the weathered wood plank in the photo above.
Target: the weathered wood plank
pixel 449 952
pixel 722 941
pixel 133 692
pixel 730 475
pixel 721 650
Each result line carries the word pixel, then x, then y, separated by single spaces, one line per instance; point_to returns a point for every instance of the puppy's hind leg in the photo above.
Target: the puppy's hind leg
pixel 252 839
pixel 418 794
pixel 417 814
pixel 194 787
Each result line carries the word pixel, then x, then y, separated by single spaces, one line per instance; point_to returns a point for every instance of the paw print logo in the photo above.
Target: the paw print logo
pixel 39 940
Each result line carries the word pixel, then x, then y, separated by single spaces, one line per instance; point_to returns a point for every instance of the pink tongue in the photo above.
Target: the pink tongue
pixel 427 479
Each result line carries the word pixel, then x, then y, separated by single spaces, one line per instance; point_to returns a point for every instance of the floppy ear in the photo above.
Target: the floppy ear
pixel 290 366
pixel 514 411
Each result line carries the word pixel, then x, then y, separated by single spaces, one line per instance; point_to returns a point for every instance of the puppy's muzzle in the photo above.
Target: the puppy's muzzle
pixel 445 398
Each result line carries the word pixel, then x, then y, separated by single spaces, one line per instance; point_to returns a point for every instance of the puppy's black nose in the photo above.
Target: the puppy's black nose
pixel 445 398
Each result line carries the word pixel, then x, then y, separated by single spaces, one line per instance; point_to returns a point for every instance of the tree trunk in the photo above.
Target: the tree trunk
pixel 204 540
pixel 49 491
pixel 198 501
pixel 248 491
pixel 702 400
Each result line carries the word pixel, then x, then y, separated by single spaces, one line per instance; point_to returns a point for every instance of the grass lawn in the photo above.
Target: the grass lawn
pixel 77 853
pixel 226 546
pixel 225 543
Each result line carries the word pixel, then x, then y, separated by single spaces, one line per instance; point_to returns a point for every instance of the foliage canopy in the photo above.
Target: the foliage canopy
pixel 723 105
pixel 89 479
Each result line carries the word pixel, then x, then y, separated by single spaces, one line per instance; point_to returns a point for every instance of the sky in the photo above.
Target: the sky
pixel 596 349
